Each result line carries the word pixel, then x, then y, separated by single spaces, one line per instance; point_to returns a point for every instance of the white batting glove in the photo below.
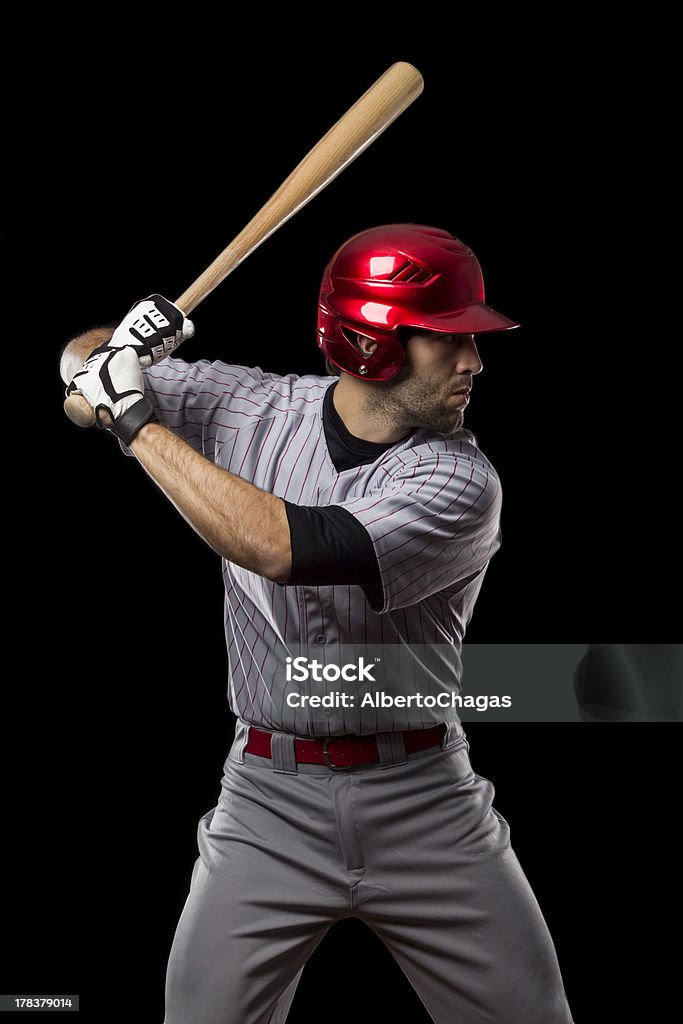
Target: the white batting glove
pixel 154 327
pixel 111 382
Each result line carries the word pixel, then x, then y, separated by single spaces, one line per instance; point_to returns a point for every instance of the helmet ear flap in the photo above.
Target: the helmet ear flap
pixel 338 339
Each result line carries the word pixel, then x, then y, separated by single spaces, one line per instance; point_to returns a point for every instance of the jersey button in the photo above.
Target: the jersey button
pixel 320 638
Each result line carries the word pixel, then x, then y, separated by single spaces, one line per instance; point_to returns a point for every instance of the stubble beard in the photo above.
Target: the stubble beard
pixel 406 402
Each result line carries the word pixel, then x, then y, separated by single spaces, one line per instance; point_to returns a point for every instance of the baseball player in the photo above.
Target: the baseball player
pixel 352 512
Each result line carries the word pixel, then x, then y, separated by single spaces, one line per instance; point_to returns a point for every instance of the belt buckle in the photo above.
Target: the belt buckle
pixel 326 756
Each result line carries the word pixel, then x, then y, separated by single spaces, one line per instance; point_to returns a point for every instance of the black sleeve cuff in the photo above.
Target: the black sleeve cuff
pixel 330 547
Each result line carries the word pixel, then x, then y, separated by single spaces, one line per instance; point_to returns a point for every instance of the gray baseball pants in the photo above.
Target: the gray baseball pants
pixel 414 849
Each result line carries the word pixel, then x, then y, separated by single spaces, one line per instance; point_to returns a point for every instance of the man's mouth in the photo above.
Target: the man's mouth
pixel 462 396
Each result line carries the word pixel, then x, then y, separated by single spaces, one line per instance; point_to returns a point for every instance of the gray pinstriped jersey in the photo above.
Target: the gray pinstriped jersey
pixel 431 505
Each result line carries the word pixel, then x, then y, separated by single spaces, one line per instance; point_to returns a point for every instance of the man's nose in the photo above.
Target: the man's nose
pixel 468 359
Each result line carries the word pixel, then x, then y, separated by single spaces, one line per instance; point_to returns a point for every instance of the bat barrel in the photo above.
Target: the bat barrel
pixel 355 131
pixel 383 102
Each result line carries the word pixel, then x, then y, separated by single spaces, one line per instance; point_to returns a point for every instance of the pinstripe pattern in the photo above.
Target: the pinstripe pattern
pixel 431 505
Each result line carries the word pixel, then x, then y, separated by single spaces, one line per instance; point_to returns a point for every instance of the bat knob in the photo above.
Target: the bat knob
pixel 78 411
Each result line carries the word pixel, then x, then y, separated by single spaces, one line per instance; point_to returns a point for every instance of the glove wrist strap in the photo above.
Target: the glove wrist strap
pixel 132 420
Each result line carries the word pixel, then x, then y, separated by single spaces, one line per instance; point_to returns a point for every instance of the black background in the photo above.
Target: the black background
pixel 136 171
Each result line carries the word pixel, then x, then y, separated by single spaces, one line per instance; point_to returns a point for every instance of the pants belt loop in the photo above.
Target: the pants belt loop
pixel 283 754
pixel 240 741
pixel 391 749
pixel 454 736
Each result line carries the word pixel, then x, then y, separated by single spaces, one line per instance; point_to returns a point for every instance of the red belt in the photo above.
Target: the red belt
pixel 343 751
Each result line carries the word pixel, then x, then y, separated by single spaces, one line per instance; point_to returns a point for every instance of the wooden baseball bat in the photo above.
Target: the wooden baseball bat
pixel 360 125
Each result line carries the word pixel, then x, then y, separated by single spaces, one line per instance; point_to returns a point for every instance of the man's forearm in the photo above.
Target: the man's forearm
pixel 239 521
pixel 78 350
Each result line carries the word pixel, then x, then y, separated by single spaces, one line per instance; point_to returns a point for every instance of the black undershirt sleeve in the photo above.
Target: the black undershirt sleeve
pixel 330 546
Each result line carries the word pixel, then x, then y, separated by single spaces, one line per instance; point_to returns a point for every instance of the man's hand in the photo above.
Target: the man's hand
pixel 111 381
pixel 154 327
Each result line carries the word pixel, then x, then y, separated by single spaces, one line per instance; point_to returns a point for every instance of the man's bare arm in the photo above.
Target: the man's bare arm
pixel 238 520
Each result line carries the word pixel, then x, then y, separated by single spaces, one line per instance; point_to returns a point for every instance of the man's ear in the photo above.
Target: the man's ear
pixel 366 345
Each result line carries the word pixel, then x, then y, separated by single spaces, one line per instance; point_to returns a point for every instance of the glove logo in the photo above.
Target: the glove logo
pixel 151 323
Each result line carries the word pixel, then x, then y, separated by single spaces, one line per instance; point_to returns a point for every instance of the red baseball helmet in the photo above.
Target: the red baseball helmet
pixel 399 275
